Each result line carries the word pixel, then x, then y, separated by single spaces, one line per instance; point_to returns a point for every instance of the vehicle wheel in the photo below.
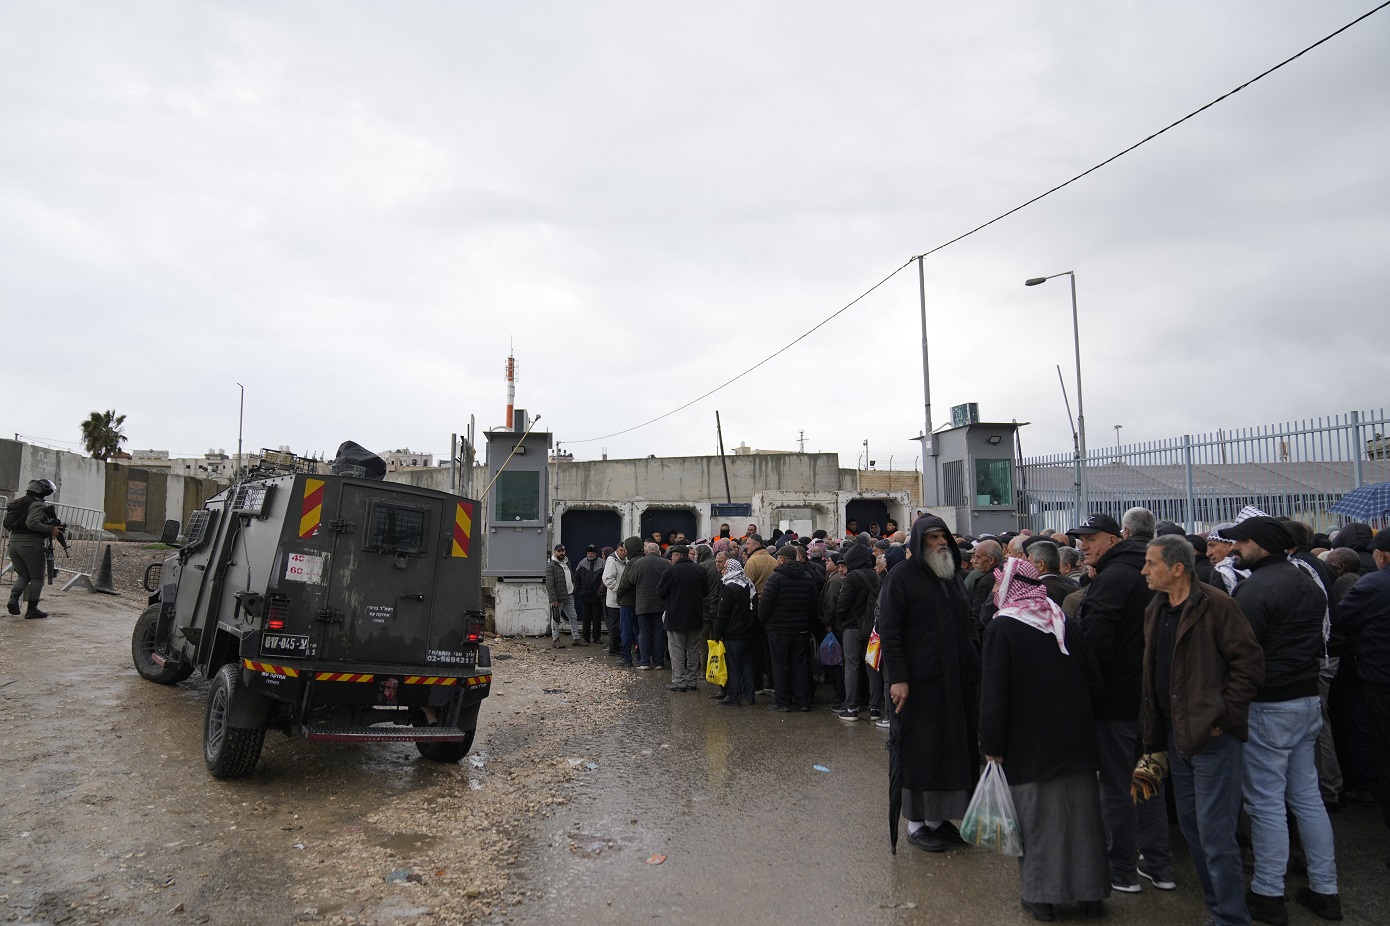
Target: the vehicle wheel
pixel 142 647
pixel 230 752
pixel 445 752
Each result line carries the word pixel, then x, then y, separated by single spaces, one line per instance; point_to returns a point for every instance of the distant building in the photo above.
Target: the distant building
pixel 397 460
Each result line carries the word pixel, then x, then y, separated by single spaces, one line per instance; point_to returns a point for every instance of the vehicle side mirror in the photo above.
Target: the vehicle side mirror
pixel 170 537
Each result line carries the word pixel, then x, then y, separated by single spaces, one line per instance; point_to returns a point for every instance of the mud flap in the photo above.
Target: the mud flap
pixel 249 710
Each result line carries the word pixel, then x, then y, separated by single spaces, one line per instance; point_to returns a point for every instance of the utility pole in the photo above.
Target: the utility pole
pixel 802 439
pixel 719 429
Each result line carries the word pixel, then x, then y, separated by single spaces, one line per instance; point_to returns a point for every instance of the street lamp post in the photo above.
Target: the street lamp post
pixel 1117 438
pixel 240 418
pixel 930 488
pixel 1085 501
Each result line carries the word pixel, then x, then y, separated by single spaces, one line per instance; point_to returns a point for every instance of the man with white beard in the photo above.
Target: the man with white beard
pixel 932 671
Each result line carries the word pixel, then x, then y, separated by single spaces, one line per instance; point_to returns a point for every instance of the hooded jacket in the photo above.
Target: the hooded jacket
pixel 787 603
pixel 1112 617
pixel 1217 667
pixel 613 569
pixel 1364 615
pixel 855 604
pixel 1357 536
pixel 626 592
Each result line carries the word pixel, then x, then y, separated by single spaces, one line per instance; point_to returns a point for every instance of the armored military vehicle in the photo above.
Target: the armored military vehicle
pixel 334 607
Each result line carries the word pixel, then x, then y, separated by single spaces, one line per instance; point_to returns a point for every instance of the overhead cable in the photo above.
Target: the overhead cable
pixel 982 227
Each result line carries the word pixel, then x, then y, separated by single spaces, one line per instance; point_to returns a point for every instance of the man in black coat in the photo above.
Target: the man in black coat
pixel 682 588
pixel 1286 609
pixel 1111 615
pixel 854 611
pixel 787 606
pixel 932 670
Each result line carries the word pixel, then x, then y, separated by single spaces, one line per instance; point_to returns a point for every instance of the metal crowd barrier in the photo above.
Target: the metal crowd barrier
pixel 86 536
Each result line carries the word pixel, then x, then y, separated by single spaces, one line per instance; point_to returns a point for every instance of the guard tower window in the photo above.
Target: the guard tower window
pixel 954 477
pixel 396 528
pixel 994 483
pixel 518 496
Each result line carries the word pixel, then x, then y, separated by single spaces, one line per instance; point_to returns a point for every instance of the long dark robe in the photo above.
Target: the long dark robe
pixel 924 629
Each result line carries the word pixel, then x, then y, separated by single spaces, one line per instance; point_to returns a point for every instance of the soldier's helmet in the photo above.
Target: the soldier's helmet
pixel 42 487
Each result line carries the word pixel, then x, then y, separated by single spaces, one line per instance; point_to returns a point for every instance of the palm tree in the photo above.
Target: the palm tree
pixel 101 433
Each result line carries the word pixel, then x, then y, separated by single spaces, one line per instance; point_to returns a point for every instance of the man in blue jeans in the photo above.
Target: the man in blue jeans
pixel 1285 608
pixel 1202 665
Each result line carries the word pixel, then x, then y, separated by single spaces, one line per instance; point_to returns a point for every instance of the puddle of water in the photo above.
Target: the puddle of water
pixel 408 843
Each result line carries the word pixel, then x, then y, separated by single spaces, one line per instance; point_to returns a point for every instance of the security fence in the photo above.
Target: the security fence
pixel 1296 469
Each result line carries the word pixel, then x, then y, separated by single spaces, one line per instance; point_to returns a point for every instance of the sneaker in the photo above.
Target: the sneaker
pixel 1162 883
pixel 1125 885
pixel 875 713
pixel 1327 906
pixel 645 668
pixel 556 644
pixel 847 715
pixel 625 664
pixel 779 709
pixel 1265 909
pixel 581 643
pixel 881 724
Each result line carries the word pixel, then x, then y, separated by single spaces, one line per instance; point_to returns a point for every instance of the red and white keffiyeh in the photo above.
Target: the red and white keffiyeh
pixel 1027 601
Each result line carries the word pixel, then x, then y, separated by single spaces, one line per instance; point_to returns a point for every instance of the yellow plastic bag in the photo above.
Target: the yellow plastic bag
pixel 873 653
pixel 716 668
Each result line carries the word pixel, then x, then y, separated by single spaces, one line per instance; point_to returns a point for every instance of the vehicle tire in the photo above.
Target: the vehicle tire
pixel 230 752
pixel 445 752
pixel 142 646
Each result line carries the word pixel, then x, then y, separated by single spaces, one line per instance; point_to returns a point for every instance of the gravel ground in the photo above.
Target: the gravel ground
pixel 339 834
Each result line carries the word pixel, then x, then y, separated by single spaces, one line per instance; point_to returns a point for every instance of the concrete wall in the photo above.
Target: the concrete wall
pixel 81 481
pixel 697 479
pixel 135 500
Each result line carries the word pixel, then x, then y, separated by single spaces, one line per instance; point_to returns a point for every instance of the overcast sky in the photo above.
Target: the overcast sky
pixel 355 208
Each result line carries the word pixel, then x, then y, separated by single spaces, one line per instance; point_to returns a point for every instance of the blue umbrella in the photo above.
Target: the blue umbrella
pixel 1367 503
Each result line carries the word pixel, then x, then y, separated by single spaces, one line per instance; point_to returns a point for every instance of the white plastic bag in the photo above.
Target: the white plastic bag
pixel 991 822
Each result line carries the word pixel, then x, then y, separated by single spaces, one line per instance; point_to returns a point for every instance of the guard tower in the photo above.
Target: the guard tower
pixel 518 528
pixel 976 474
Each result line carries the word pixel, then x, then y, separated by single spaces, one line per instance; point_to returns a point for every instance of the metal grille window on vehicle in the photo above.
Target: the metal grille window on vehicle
pixel 198 524
pixel 251 499
pixel 397 528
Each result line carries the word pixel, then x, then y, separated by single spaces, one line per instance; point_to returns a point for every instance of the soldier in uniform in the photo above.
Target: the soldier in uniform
pixel 29 527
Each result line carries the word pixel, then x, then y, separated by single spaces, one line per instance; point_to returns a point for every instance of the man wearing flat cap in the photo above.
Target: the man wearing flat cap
pixel 1111 615
pixel 1285 609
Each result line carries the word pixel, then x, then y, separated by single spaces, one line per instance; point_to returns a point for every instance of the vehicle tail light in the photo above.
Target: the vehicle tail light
pixel 473 629
pixel 277 609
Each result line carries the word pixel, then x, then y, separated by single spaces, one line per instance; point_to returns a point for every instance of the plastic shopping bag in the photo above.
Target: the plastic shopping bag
pixel 991 822
pixel 716 667
pixel 873 653
pixel 831 653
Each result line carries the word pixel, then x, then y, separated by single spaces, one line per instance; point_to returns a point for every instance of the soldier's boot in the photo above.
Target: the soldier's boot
pixel 13 607
pixel 34 611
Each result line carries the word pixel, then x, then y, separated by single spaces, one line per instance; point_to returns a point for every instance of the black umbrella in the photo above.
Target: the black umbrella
pixel 895 773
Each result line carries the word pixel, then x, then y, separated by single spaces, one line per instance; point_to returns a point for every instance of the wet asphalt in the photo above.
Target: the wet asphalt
pixel 752 832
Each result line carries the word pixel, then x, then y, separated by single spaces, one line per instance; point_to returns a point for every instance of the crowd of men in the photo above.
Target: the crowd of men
pixel 1246 669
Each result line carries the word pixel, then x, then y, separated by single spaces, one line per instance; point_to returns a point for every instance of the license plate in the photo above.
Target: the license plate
pixel 449 657
pixel 285 644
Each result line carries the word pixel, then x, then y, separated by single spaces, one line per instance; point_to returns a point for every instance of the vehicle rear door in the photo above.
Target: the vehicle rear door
pixel 382 574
